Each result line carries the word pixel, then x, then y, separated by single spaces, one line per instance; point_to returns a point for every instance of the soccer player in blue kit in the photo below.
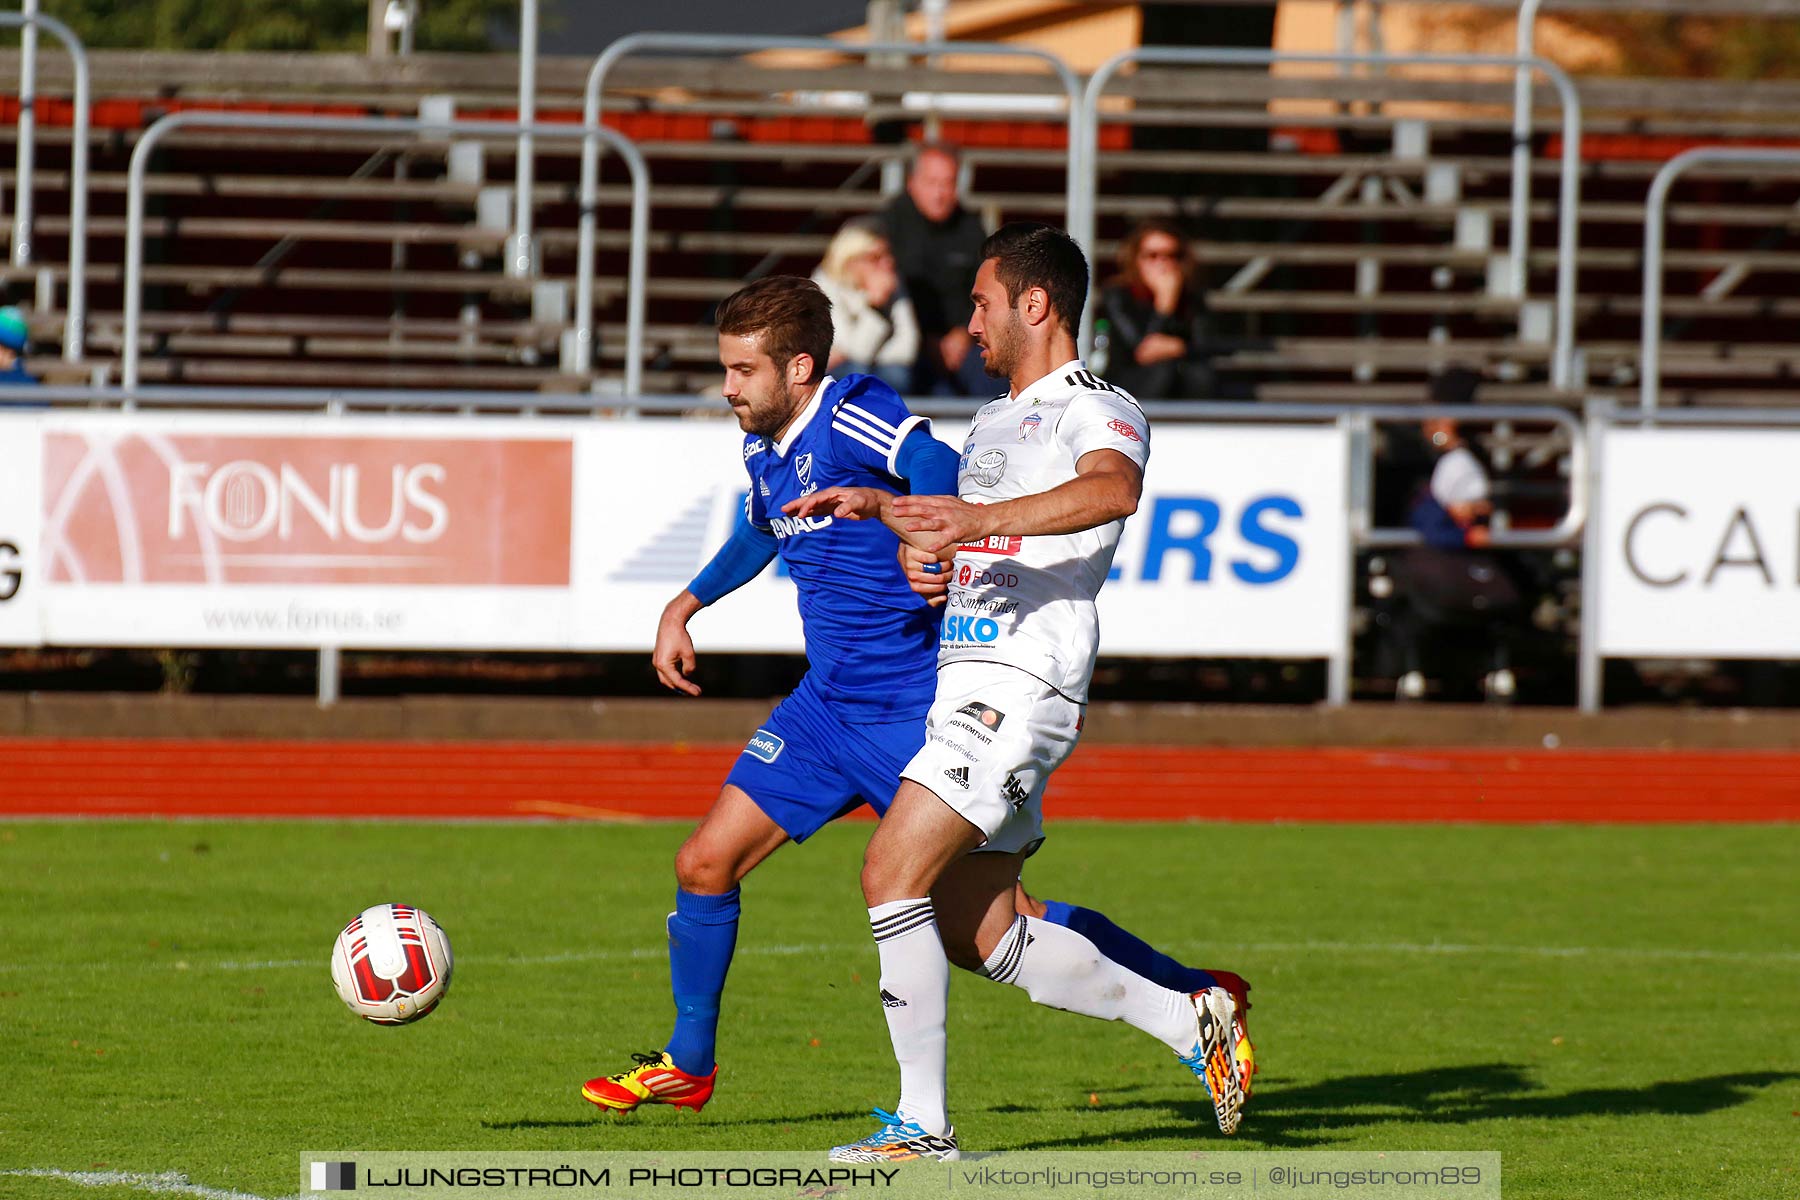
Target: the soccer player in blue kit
pixel 844 735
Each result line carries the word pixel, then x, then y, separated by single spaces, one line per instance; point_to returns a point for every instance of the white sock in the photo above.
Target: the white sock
pixel 915 996
pixel 1058 967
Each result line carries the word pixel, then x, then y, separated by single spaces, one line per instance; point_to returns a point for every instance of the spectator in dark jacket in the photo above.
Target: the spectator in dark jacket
pixel 1160 339
pixel 937 246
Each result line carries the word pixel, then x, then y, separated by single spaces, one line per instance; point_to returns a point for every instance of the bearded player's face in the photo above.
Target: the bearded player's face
pixel 761 394
pixel 995 323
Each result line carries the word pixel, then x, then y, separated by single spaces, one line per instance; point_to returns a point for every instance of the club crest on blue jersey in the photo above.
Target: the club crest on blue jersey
pixel 803 472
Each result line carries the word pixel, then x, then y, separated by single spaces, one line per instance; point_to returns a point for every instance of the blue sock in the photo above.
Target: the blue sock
pixel 702 936
pixel 1128 950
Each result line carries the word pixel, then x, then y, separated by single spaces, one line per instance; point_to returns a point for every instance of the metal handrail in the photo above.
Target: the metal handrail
pixel 626 148
pixel 1655 214
pixel 1518 230
pixel 520 259
pixel 75 315
pixel 739 44
pixel 1563 358
pixel 25 153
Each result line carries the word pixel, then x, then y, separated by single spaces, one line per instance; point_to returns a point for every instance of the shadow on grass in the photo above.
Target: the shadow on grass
pixel 1314 1114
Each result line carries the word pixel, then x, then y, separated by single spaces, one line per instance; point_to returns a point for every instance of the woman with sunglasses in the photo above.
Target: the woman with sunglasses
pixel 1161 338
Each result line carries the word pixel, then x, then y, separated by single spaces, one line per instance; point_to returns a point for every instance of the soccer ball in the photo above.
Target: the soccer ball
pixel 391 964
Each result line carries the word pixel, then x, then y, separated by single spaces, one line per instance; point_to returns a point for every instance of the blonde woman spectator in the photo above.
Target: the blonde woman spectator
pixel 874 330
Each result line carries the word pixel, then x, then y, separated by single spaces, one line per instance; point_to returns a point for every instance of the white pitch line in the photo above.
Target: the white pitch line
pixel 578 956
pixel 169 1183
pixel 645 953
pixel 1646 953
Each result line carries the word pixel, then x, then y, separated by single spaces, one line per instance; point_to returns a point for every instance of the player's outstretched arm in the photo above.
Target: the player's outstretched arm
pixel 1106 487
pixel 845 503
pixel 743 556
pixel 856 504
pixel 673 657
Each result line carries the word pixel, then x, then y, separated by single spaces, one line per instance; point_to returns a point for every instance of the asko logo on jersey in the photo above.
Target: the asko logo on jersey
pixel 962 631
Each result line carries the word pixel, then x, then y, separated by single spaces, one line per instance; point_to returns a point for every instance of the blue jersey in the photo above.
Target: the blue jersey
pixel 871 642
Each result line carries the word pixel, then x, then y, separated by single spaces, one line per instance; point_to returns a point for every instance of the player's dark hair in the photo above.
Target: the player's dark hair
pixel 1031 254
pixel 792 315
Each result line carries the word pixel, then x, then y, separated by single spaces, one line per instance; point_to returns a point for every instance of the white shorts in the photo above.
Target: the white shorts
pixel 992 738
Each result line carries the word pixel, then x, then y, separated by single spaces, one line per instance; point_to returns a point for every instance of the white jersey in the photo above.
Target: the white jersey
pixel 1028 602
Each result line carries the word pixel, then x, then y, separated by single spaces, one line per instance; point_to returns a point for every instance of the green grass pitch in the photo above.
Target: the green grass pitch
pixel 1616 1010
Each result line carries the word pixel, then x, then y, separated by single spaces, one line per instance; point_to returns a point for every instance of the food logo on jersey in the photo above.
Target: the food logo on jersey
pixel 1124 429
pixel 967 576
pixel 1029 426
pixel 987 468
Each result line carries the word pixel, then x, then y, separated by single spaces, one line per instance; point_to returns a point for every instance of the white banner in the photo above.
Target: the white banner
pixel 460 533
pixel 21 453
pixel 1239 548
pixel 248 530
pixel 1699 543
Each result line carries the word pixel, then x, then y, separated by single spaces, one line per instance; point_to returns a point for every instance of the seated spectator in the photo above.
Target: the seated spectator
pixel 1160 340
pixel 874 331
pixel 14 337
pixel 1454 594
pixel 937 244
pixel 1451 512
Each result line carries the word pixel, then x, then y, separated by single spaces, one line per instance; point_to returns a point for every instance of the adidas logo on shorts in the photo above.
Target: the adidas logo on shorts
pixel 959 776
pixel 889 1000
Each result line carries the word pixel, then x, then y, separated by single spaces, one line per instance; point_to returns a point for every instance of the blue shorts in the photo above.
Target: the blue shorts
pixel 808 766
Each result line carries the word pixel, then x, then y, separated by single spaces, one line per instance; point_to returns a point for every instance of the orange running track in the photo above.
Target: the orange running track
pixel 102 777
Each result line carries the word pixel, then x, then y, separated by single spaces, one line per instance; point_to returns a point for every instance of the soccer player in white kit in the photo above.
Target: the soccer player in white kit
pixel 1049 473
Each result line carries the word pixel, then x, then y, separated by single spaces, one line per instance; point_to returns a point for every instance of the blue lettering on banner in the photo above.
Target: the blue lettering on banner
pixel 765 745
pixel 1251 529
pixel 969 629
pixel 1163 539
pixel 1186 525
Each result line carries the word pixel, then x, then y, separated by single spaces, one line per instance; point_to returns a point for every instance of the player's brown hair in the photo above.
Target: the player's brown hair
pixel 790 313
pixel 1031 254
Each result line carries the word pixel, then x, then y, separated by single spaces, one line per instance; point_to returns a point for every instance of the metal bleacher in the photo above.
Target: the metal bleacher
pixel 1353 226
